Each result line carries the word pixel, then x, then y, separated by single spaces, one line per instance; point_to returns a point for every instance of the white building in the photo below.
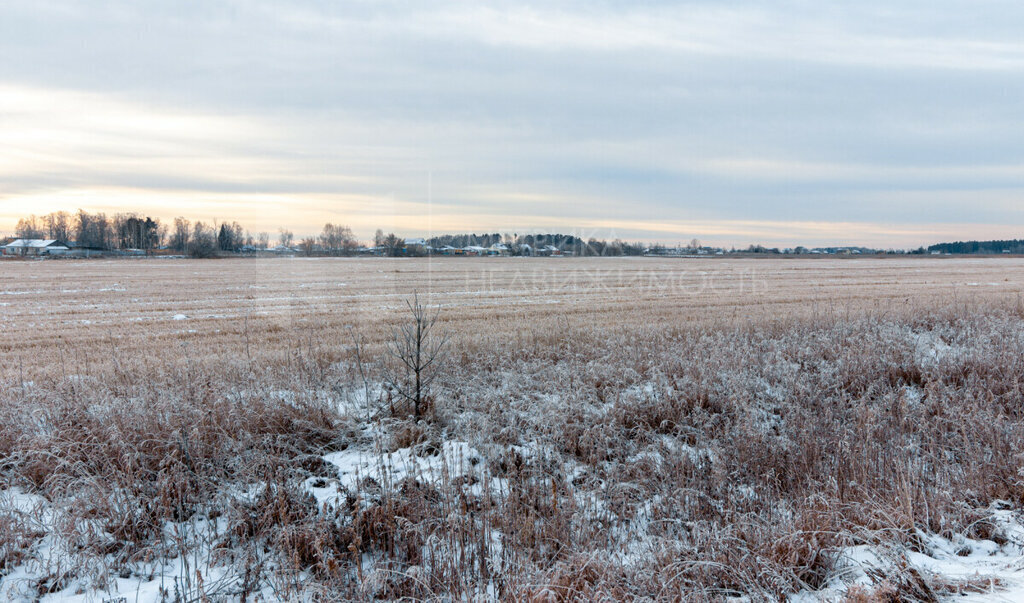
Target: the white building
pixel 36 247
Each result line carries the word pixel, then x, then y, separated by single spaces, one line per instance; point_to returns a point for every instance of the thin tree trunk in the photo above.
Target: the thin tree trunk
pixel 419 366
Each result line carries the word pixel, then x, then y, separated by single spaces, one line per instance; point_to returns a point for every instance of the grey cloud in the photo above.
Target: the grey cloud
pixel 627 105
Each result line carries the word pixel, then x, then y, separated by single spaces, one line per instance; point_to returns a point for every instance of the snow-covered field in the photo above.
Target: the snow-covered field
pixel 844 430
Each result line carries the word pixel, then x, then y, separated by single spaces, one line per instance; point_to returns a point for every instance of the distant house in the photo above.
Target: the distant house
pixel 474 250
pixel 415 247
pixel 498 249
pixel 36 247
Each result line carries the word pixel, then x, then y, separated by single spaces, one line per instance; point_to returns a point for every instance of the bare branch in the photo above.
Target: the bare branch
pixel 418 355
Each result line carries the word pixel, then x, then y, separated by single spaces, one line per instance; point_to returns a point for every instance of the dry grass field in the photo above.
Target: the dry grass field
pixel 100 309
pixel 678 429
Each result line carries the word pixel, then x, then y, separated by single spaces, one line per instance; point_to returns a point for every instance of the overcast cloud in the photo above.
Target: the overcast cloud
pixel 778 123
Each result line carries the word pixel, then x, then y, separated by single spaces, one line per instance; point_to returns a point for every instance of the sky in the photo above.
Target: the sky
pixel 879 123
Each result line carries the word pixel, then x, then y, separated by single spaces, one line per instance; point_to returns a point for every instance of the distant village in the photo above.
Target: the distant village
pixel 84 235
pixel 420 247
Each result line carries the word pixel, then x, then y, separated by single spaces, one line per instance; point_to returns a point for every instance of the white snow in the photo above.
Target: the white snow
pixel 931 349
pixel 74 577
pixel 453 459
pixel 994 569
pixel 961 563
pixel 180 317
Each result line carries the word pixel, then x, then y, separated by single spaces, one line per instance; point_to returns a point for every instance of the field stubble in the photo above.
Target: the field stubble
pixel 617 428
pixel 218 310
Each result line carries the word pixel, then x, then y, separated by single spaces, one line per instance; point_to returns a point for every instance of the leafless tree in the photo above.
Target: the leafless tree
pixel 181 235
pixel 93 230
pixel 417 356
pixel 337 239
pixel 203 242
pixel 29 228
pixel 58 226
pixel 162 234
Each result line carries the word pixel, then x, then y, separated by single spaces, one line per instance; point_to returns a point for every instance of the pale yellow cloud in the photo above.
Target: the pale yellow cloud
pixel 63 150
pixel 306 213
pixel 66 136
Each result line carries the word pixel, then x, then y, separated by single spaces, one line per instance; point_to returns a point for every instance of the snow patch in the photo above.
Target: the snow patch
pixel 979 570
pixel 453 459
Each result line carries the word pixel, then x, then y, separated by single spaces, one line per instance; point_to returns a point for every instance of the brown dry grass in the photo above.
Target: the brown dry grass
pixel 638 439
pixel 71 315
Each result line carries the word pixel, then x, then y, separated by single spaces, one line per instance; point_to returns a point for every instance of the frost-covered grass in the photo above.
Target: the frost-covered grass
pixel 874 455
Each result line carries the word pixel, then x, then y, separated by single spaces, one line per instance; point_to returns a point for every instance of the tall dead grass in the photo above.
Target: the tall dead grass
pixel 688 462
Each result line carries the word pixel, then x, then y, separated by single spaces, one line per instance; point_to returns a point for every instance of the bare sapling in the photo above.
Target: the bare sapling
pixel 417 353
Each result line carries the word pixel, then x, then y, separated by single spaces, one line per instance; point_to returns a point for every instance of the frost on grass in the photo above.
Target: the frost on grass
pixel 985 565
pixel 56 560
pixel 862 457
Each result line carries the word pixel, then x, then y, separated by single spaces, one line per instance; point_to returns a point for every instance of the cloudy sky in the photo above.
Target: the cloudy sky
pixel 743 122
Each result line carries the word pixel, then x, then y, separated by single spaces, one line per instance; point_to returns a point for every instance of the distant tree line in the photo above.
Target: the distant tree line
pixel 465 240
pixel 1015 246
pixel 518 244
pixel 595 247
pixel 333 240
pixel 94 230
pixel 135 231
pixel 201 240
